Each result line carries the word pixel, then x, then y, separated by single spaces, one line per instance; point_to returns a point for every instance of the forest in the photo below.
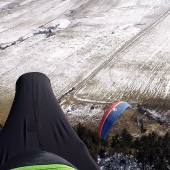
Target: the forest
pixel 152 150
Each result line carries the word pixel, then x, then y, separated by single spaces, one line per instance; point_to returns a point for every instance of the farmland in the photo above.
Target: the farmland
pixel 147 67
pixel 107 50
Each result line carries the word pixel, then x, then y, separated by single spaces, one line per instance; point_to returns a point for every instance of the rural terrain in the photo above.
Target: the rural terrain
pixel 94 52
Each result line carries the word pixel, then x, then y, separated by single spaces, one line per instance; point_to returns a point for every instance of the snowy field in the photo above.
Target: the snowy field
pixel 107 49
pixel 147 65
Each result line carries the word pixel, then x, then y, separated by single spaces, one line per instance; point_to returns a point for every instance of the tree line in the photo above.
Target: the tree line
pixel 152 150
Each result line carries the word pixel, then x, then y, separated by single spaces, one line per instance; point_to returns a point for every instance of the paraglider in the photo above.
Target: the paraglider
pixel 110 117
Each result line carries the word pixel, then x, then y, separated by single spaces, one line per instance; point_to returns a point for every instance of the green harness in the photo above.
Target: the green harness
pixel 46 167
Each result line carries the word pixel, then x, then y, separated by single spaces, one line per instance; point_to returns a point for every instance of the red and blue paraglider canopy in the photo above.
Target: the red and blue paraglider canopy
pixel 110 117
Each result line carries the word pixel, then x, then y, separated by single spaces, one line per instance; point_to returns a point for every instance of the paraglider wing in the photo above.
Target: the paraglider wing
pixel 110 116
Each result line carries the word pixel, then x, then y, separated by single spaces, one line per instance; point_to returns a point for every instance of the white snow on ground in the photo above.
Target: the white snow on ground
pixel 2 4
pixel 93 114
pixel 87 32
pixel 157 115
pixel 147 65
pixel 119 161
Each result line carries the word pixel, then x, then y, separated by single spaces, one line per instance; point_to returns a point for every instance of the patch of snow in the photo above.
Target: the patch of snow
pixel 157 115
pixel 80 110
pixel 2 4
pixel 119 161
pixel 63 23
